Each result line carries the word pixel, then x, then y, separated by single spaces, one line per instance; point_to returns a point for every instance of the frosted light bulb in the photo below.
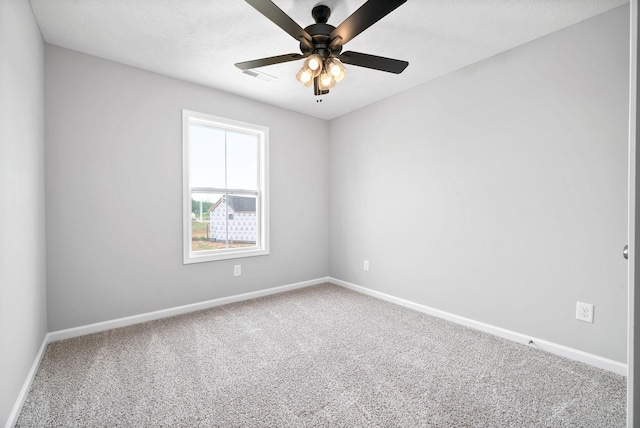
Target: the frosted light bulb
pixel 336 69
pixel 314 64
pixel 305 76
pixel 326 81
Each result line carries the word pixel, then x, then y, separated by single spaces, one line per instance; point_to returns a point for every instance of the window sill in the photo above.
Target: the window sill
pixel 212 256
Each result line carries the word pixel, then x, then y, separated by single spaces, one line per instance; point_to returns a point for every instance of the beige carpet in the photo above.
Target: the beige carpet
pixel 319 356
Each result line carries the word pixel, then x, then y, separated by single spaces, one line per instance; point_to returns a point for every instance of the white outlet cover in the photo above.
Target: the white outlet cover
pixel 584 312
pixel 365 265
pixel 237 270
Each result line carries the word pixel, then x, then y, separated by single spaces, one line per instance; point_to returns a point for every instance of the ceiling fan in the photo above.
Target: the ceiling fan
pixel 321 44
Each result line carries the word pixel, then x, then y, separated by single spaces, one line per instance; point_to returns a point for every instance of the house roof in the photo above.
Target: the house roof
pixel 238 203
pixel 242 203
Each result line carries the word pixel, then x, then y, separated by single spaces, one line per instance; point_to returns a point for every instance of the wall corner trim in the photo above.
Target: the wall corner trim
pixel 554 348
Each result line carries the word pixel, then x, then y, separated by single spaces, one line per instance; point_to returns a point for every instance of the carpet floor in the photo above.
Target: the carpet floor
pixel 321 356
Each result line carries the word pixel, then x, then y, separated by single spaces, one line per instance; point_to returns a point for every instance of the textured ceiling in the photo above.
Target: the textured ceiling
pixel 199 41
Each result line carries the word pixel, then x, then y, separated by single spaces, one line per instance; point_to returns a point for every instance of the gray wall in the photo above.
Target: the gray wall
pixel 498 192
pixel 114 189
pixel 23 312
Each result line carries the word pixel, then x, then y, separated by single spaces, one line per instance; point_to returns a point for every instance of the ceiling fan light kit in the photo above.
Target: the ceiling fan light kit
pixel 329 72
pixel 321 44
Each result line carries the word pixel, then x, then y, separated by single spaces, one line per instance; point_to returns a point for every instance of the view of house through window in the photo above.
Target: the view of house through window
pixel 225 181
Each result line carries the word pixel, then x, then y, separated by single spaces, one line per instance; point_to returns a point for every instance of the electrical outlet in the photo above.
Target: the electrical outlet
pixel 365 265
pixel 584 312
pixel 237 270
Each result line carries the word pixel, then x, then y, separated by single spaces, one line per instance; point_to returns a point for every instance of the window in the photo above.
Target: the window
pixel 225 188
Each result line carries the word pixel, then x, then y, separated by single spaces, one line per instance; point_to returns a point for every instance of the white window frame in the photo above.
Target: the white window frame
pixel 262 194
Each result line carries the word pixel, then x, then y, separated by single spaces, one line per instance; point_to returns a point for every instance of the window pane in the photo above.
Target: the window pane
pixel 242 161
pixel 227 221
pixel 206 156
pixel 205 226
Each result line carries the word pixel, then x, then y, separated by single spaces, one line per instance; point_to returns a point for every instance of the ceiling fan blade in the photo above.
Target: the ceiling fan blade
pixel 375 62
pixel 281 19
pixel 368 14
pixel 268 61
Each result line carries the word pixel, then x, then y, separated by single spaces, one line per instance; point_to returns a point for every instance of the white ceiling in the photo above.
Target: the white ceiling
pixel 200 40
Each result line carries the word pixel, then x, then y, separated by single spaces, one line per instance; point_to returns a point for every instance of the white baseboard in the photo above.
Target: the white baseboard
pixel 178 310
pixel 22 396
pixel 554 348
pixel 574 354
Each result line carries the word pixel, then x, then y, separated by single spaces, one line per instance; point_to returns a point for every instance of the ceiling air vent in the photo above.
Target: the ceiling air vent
pixel 259 75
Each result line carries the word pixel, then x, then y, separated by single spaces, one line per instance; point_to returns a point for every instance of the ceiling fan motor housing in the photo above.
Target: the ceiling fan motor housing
pixel 320 33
